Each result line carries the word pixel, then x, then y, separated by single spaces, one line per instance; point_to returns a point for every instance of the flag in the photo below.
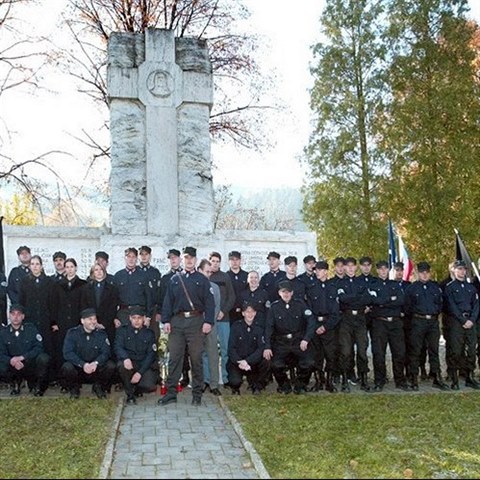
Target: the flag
pixel 461 253
pixel 2 253
pixel 405 258
pixel 392 252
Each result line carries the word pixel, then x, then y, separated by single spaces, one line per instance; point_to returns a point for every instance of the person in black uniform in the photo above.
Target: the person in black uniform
pixel 289 330
pixel 245 353
pixel 87 357
pixel 154 279
pixel 322 300
pixel 136 353
pixel 187 315
pixel 462 314
pixel 387 328
pixel 133 289
pixel 21 354
pixel 291 265
pixel 423 305
pixel 102 258
pixel 17 274
pixel 308 277
pixel 257 296
pixel 354 298
pixel 238 277
pixel 269 280
pixel 59 265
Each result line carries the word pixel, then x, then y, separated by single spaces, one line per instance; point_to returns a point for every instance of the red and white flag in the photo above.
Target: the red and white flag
pixel 403 257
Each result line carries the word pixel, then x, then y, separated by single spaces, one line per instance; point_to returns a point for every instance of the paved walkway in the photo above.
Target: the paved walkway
pixel 181 441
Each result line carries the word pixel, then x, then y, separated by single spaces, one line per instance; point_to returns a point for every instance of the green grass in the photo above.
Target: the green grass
pixel 362 436
pixel 54 438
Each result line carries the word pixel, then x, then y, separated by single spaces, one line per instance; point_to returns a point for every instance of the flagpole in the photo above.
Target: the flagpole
pixel 474 267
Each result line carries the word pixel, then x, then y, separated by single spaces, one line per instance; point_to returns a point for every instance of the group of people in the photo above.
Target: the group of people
pixel 224 326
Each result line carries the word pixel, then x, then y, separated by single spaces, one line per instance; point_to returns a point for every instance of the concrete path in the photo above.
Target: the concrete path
pixel 181 441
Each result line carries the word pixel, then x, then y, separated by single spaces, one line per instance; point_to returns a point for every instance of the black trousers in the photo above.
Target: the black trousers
pixel 325 350
pixel 148 382
pixel 287 353
pixel 388 333
pixel 461 345
pixel 424 332
pixel 74 376
pixel 256 377
pixel 35 372
pixel 353 332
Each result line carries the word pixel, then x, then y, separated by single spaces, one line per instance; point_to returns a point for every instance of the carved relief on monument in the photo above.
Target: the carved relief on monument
pixel 160 83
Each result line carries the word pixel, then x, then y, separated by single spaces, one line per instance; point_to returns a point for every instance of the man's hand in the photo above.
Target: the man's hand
pixel 136 377
pixel 90 368
pixel 303 345
pixel 243 365
pixel 17 362
pixel 468 325
pixel 167 328
pixel 147 321
pixel 206 328
pixel 100 326
pixel 55 328
pixel 117 323
pixel 220 315
pixel 127 363
pixel 267 354
pixel 321 330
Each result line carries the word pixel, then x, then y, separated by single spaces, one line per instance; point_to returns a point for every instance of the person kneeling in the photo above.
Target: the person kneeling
pixel 136 351
pixel 245 353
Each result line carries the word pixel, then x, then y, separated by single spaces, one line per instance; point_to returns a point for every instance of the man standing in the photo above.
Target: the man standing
pixel 17 274
pixel 187 314
pixel 308 276
pixel 238 277
pixel 269 280
pixel 87 357
pixel 59 265
pixel 291 264
pixel 21 354
pixel 256 296
pixel 462 315
pixel 136 353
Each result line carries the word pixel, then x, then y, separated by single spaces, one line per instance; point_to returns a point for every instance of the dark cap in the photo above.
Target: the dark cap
pixel 131 250
pixel 350 260
pixel 381 264
pixel 285 285
pixel 136 310
pixel 190 251
pixel 321 265
pixel 173 251
pixel 309 258
pixel 273 254
pixel 102 254
pixel 459 263
pixel 423 266
pixel 247 304
pixel 365 260
pixel 290 259
pixel 17 307
pixel 144 248
pixel 59 255
pixel 338 260
pixel 234 254
pixel 22 248
pixel 398 265
pixel 88 312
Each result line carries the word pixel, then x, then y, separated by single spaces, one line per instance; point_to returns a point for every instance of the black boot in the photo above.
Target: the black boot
pixel 329 386
pixel 471 382
pixel 345 385
pixel 438 383
pixel 454 377
pixel 364 382
pixel 414 383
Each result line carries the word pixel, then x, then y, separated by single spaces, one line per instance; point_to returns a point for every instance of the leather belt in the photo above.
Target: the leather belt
pixel 190 313
pixel 288 335
pixel 426 317
pixel 321 318
pixel 387 319
pixel 352 312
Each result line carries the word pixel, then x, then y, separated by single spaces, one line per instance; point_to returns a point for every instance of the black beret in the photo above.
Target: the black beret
pixel 273 254
pixel 423 266
pixel 285 285
pixel 381 263
pixel 234 254
pixel 173 251
pixel 59 255
pixel 102 254
pixel 88 312
pixel 459 263
pixel 321 265
pixel 136 310
pixel 17 307
pixel 190 251
pixel 145 248
pixel 22 248
pixel 290 259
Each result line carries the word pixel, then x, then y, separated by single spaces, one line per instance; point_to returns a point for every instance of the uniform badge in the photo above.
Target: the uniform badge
pixel 211 290
pixel 38 337
pixel 4 284
pixel 287 306
pixel 107 341
pixel 150 284
pixel 17 333
pixel 308 312
pixel 154 347
pixel 267 303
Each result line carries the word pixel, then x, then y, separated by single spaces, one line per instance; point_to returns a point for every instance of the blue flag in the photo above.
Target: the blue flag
pixel 392 251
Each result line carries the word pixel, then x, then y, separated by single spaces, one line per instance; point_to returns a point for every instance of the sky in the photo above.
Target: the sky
pixel 51 118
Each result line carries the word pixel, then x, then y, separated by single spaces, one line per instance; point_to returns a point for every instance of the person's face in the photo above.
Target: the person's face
pixel 309 266
pixel 207 270
pixel 36 266
pixel 253 280
pixel 145 258
pixel 285 295
pixel 321 274
pixel 89 323
pixel 24 256
pixel 249 315
pixel 424 276
pixel 130 260
pixel 174 261
pixel 137 321
pixel 215 261
pixel 350 269
pixel 59 264
pixel 273 263
pixel 98 273
pixel 398 274
pixel 460 273
pixel 366 268
pixel 234 263
pixel 382 272
pixel 102 262
pixel 70 269
pixel 340 269
pixel 189 262
pixel 291 269
pixel 16 318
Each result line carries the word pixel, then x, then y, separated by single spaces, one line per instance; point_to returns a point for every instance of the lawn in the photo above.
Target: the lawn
pixel 54 438
pixel 364 436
